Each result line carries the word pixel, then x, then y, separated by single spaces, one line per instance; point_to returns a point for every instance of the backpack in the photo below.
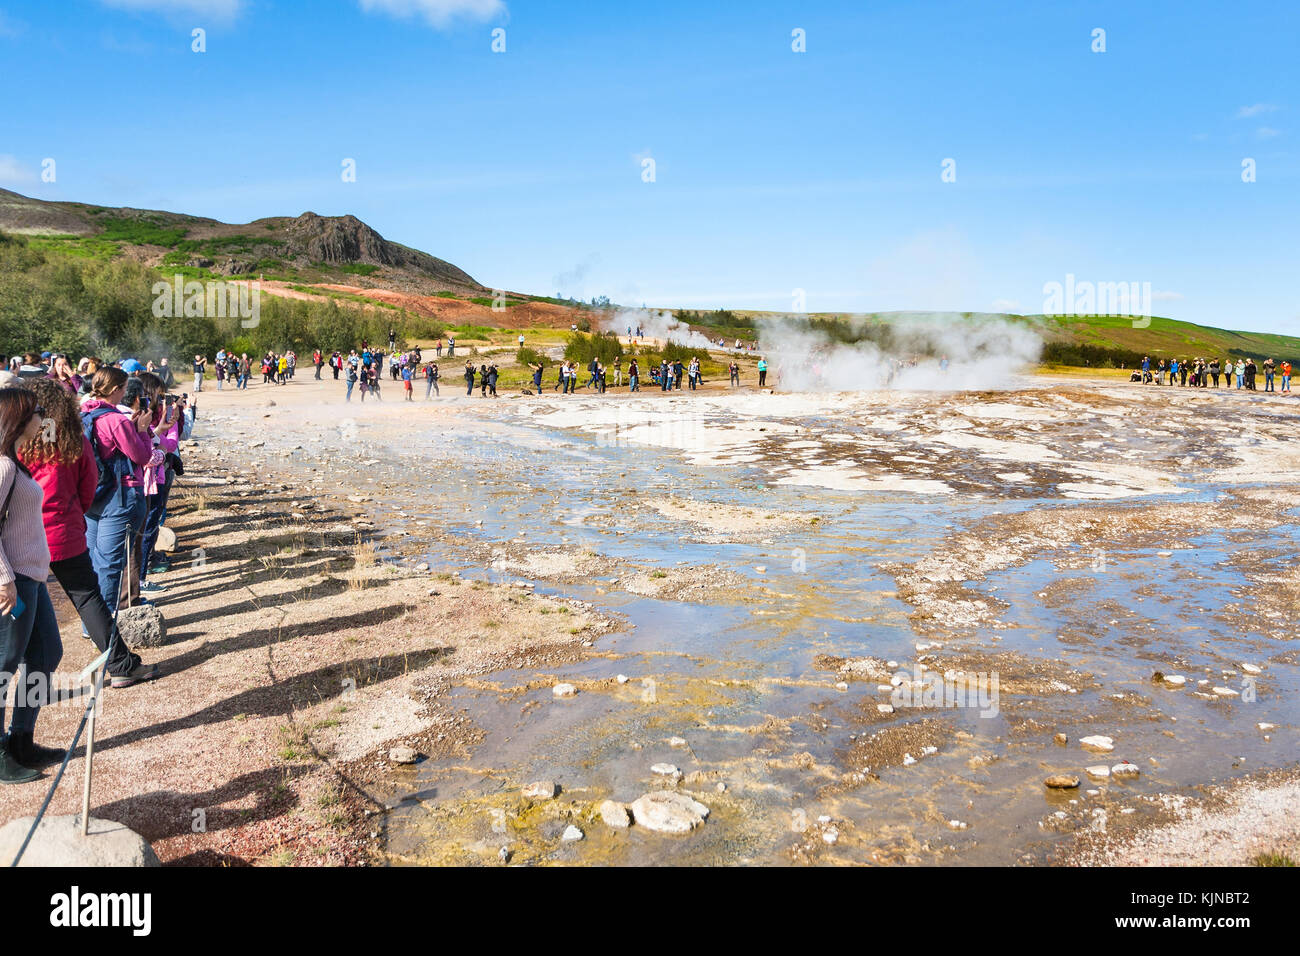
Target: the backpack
pixel 111 472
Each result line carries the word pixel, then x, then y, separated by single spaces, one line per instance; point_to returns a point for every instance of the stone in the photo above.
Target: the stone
pixel 1175 680
pixel 58 842
pixel 1225 692
pixel 664 811
pixel 422 566
pixel 1061 739
pixel 842 685
pixel 1100 770
pixel 1125 771
pixel 614 814
pixel 664 770
pixel 1266 726
pixel 403 755
pixel 957 825
pixel 1098 742
pixel 142 626
pixel 564 690
pixel 678 742
pixel 830 835
pixel 1062 781
pixel 622 678
pixel 541 790
pixel 166 539
pixel 1252 669
pixel 885 708
pixel 571 834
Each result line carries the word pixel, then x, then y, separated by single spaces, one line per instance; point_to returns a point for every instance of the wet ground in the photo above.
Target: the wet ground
pixel 786 567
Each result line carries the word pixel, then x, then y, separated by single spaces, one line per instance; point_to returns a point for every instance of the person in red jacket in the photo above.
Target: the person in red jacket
pixel 62 461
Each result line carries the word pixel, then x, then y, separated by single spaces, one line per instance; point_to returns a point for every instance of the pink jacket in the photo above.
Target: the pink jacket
pixel 69 490
pixel 115 432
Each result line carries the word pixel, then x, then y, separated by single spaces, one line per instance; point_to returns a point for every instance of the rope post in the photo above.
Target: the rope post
pixel 90 749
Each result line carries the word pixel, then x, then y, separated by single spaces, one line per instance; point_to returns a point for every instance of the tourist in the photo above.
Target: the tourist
pixel 1285 370
pixel 200 363
pixel 29 631
pixel 61 372
pixel 537 376
pixel 351 380
pixel 762 371
pixel 633 376
pixel 406 383
pixel 469 378
pixel 62 461
pixel 1268 374
pixel 431 380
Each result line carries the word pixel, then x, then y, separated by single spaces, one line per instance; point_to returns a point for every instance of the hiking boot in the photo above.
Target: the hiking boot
pixel 24 751
pixel 11 771
pixel 150 587
pixel 138 674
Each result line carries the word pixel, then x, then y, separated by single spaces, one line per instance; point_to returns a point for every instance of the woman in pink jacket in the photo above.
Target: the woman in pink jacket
pixel 124 447
pixel 62 462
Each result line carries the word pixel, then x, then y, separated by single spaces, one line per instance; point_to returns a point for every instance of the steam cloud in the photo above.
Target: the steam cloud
pixel 982 351
pixel 904 352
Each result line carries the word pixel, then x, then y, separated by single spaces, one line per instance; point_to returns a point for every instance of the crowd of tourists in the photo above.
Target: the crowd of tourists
pixel 1198 373
pixel 88 457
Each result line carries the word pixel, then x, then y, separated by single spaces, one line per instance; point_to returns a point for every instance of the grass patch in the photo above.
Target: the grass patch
pixel 1271 859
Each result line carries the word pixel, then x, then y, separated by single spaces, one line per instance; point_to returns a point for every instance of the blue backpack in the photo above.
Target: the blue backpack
pixel 111 472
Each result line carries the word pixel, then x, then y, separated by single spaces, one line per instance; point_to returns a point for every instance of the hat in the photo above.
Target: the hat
pixel 45 355
pixel 131 365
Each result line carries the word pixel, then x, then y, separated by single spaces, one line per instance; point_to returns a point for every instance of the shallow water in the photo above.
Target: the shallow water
pixel 735 676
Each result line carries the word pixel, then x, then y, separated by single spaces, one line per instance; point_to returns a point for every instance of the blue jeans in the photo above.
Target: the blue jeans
pixel 33 642
pixel 350 386
pixel 107 537
pixel 154 518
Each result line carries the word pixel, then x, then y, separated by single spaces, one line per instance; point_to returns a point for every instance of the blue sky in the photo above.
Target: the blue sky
pixel 774 170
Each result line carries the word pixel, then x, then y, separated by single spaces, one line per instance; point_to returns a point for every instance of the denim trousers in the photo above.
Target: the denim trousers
pixel 107 536
pixel 77 577
pixel 33 643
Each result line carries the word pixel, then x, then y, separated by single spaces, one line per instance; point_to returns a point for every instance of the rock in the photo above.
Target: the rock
pixel 908 760
pixel 830 835
pixel 885 708
pixel 58 842
pixel 422 566
pixel 1266 726
pixel 761 568
pixel 664 770
pixel 842 686
pixel 1100 770
pixel 622 678
pixel 504 854
pixel 1061 739
pixel 957 825
pixel 564 690
pixel 142 626
pixel 1248 668
pixel 541 790
pixel 1125 771
pixel 403 755
pixel 721 788
pixel 667 812
pixel 1225 692
pixel 166 539
pixel 1175 680
pixel 1062 781
pixel 571 834
pixel 614 814
pixel 1098 742
pixel 678 742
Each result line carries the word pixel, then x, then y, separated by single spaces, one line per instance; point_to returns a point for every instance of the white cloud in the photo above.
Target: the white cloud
pixel 1248 111
pixel 438 13
pixel 14 172
pixel 221 10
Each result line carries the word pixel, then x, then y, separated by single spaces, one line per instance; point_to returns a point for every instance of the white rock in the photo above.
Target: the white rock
pixel 1098 742
pixel 676 742
pixel 1252 669
pixel 403 755
pixel 621 678
pixel 564 690
pixel 1101 770
pixel 614 814
pixel 1125 771
pixel 1175 680
pixel 58 842
pixel 885 708
pixel 422 566
pixel 761 568
pixel 541 790
pixel 830 835
pixel 908 760
pixel 842 685
pixel 892 665
pixel 1266 726
pixel 571 834
pixel 664 770
pixel 1225 692
pixel 667 812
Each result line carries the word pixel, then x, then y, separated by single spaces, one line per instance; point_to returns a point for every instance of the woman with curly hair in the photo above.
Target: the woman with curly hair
pixel 29 632
pixel 62 462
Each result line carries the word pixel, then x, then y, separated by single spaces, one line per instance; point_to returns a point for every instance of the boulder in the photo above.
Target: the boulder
pixel 541 790
pixel 166 539
pixel 668 812
pixel 142 626
pixel 58 842
pixel 1098 742
pixel 403 755
pixel 614 814
pixel 1062 781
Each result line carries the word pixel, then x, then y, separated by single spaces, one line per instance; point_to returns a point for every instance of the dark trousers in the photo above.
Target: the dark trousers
pixel 79 582
pixel 33 643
